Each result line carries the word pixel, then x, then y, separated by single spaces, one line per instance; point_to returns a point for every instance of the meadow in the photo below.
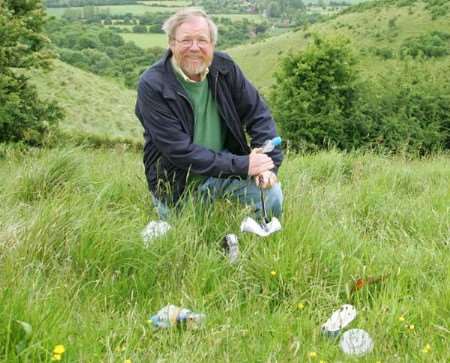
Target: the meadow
pixel 75 270
pixel 146 40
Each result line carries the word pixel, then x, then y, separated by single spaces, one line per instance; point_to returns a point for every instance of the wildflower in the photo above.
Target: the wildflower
pixel 401 318
pixel 273 273
pixel 426 349
pixel 56 357
pixel 127 361
pixel 411 327
pixel 312 354
pixel 59 349
pixel 322 361
pixel 301 306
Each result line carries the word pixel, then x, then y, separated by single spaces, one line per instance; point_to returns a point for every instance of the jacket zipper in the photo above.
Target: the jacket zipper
pixel 221 115
pixel 192 110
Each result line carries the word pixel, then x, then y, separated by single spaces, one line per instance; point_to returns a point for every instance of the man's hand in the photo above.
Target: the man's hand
pixel 259 163
pixel 266 179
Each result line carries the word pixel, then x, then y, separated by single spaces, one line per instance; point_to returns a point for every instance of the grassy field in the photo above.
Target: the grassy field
pixel 146 40
pixel 365 29
pixel 74 268
pixel 93 105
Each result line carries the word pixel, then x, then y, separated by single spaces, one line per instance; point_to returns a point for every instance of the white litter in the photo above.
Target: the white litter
pixel 339 320
pixel 154 230
pixel 262 230
pixel 356 342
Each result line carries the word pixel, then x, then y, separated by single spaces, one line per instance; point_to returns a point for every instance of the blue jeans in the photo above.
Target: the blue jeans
pixel 244 191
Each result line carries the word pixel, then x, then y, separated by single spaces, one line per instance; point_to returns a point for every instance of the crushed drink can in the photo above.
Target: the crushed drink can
pixel 339 320
pixel 231 246
pixel 356 342
pixel 172 315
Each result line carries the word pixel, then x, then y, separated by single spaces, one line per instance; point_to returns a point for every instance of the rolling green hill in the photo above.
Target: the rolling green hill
pixel 93 105
pixel 101 107
pixel 379 27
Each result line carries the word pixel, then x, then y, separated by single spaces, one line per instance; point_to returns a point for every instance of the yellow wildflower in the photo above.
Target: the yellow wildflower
pixel 411 327
pixel 59 349
pixel 401 318
pixel 56 357
pixel 273 273
pixel 426 349
pixel 127 361
pixel 301 306
pixel 312 354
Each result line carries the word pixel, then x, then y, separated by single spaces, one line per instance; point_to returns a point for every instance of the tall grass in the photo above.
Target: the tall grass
pixel 73 265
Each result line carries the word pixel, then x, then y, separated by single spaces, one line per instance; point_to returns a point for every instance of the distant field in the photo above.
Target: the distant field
pixel 254 17
pixel 118 9
pixel 141 9
pixel 146 40
pixel 167 2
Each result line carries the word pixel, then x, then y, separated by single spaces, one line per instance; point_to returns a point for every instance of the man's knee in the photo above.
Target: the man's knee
pixel 274 200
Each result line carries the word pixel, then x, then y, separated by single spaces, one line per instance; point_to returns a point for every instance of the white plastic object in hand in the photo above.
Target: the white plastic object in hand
pixel 339 320
pixel 356 342
pixel 262 230
pixel 269 145
pixel 155 229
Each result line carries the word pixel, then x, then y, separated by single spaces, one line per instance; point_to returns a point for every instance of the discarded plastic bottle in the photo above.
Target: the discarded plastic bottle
pixel 171 315
pixel 269 145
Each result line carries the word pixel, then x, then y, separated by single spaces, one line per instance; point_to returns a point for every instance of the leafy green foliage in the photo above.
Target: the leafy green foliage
pixel 320 100
pixel 23 117
pixel 100 50
pixel 314 95
pixel 433 44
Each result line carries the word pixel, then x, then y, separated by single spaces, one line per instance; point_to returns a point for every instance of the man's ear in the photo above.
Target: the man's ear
pixel 171 45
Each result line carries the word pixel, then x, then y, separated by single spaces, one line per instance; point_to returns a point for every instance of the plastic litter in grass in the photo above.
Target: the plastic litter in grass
pixel 251 226
pixel 231 245
pixel 356 342
pixel 171 316
pixel 339 320
pixel 154 229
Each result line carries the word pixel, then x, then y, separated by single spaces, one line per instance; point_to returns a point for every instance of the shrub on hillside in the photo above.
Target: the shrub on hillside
pixel 320 101
pixel 433 44
pixel 409 109
pixel 314 94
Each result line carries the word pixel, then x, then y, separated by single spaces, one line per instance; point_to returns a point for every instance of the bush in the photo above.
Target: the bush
pixel 433 44
pixel 319 101
pixel 314 95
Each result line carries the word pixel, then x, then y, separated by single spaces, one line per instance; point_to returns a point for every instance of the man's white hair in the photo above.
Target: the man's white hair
pixel 171 25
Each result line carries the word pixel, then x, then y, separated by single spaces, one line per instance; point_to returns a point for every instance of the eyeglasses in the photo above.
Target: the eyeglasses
pixel 187 43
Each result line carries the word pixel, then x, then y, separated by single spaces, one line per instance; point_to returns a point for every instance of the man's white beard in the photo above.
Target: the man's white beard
pixel 193 69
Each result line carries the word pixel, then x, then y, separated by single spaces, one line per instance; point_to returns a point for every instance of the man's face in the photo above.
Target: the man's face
pixel 192 47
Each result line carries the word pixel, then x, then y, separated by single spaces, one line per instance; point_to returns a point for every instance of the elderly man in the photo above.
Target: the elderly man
pixel 196 106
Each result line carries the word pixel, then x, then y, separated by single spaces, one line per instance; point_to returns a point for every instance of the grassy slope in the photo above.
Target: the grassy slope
pixel 93 105
pixel 368 29
pixel 72 263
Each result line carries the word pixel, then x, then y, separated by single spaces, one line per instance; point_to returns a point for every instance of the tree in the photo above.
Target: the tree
pixel 23 116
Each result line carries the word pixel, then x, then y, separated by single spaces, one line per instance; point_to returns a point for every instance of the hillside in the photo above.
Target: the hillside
pixel 379 27
pixel 93 105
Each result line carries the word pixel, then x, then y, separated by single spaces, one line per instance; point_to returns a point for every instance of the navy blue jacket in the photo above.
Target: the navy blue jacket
pixel 167 116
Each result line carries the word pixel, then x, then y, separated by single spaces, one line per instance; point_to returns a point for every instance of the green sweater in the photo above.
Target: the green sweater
pixel 208 128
